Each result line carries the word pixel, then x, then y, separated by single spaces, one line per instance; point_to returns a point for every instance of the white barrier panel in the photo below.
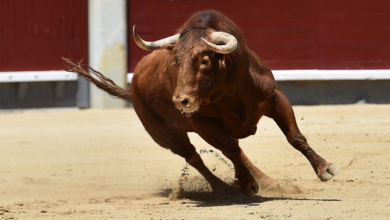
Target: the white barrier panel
pixel 302 75
pixel 130 77
pixel 292 75
pixel 37 76
pixel 280 75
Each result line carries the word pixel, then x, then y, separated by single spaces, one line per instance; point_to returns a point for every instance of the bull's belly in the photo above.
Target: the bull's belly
pixel 232 123
pixel 241 132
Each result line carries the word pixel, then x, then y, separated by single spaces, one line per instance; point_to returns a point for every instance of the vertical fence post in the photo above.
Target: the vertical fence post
pixel 107 47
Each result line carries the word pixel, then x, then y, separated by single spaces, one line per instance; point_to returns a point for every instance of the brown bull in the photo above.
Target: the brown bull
pixel 206 80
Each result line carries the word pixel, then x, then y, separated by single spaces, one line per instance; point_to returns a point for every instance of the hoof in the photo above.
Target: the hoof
pixel 248 189
pixel 328 173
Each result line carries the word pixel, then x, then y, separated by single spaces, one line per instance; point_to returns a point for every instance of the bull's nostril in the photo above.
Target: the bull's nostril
pixel 185 102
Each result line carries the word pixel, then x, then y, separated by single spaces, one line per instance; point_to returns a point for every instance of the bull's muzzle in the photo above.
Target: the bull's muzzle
pixel 185 103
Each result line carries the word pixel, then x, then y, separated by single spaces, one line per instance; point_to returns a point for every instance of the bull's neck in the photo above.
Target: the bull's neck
pixel 252 86
pixel 240 90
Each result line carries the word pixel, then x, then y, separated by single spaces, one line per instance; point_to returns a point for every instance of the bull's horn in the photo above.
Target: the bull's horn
pixel 156 45
pixel 228 42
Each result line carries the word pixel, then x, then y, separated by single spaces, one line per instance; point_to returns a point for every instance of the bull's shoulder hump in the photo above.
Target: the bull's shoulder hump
pixel 153 61
pixel 152 74
pixel 144 64
pixel 258 67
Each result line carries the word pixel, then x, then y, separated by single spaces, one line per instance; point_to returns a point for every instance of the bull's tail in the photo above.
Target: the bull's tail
pixel 104 83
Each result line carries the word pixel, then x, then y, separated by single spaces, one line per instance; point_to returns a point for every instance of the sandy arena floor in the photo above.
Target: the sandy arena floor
pixel 101 164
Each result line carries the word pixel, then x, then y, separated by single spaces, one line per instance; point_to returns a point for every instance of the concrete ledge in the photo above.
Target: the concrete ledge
pixel 304 75
pixel 37 76
pixel 333 92
pixel 27 95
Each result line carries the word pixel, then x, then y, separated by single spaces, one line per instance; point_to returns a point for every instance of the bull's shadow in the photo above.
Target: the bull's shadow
pixel 233 197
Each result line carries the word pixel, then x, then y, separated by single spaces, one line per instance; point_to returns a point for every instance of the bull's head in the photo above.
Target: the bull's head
pixel 200 60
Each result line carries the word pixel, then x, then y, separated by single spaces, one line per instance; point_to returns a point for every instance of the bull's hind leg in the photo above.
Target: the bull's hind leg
pixel 283 115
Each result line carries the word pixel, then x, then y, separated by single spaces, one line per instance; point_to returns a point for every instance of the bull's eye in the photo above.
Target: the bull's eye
pixel 205 61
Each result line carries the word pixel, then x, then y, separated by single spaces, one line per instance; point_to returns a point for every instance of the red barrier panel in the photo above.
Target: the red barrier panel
pixel 300 34
pixel 34 34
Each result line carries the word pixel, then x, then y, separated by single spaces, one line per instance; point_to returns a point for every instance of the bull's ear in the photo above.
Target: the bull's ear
pixel 169 47
pixel 222 62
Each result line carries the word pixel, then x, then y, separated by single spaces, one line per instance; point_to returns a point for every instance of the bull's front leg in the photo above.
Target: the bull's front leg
pixel 262 179
pixel 212 132
pixel 283 115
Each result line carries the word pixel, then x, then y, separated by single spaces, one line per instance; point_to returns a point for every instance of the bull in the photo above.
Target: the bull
pixel 205 79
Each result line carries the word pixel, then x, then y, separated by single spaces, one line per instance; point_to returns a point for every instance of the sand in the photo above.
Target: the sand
pixel 101 164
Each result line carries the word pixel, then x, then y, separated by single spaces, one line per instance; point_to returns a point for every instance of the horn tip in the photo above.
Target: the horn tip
pixel 204 40
pixel 135 32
